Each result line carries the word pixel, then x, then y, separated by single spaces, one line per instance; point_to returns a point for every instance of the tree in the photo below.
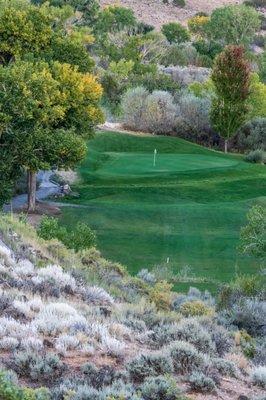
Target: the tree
pixel 47 109
pixel 257 98
pixel 231 79
pixel 47 113
pixel 234 24
pixel 253 235
pixel 175 33
pixel 89 8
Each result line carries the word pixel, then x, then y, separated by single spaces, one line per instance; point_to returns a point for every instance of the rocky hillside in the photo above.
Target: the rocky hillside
pixel 62 329
pixel 157 13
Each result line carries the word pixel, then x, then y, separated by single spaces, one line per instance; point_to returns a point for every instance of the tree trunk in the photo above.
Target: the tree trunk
pixel 225 145
pixel 32 178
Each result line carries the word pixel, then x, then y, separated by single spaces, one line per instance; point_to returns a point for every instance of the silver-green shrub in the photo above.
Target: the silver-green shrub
pixel 149 365
pixel 200 382
pixel 160 388
pixel 258 376
pixel 186 357
pixel 133 107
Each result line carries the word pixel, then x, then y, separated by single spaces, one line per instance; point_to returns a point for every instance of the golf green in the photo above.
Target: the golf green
pixel 189 207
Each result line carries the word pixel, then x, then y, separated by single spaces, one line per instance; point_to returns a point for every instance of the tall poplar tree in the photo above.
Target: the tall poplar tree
pixel 231 78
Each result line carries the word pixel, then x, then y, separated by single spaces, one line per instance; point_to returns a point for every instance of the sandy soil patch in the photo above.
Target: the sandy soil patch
pixel 157 13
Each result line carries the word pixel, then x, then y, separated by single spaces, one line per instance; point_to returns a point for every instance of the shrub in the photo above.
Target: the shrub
pixel 55 318
pixel 191 331
pixel 9 343
pixel 81 238
pixel 99 377
pixel 195 308
pixel 98 296
pixel 252 135
pixel 224 367
pixel 258 376
pixel 37 367
pixel 162 335
pixel 222 339
pixel 179 3
pixel 249 314
pixel 160 113
pixel 9 389
pixel 197 24
pixel 113 347
pixel 155 81
pixel 175 33
pixel 49 229
pixel 160 294
pixel 146 276
pixel 200 382
pixel 179 55
pixel 185 357
pixel 55 274
pixel 194 111
pixel 256 156
pixel 149 365
pixel 160 388
pixel 133 105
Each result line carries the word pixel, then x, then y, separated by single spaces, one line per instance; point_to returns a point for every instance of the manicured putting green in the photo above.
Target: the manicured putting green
pixel 190 207
pixel 143 164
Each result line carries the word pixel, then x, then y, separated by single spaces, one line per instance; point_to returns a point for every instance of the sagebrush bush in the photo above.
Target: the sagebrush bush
pixel 195 112
pixel 98 296
pixel 186 357
pixel 133 106
pixel 258 376
pixel 224 367
pixel 256 156
pixel 160 113
pixel 160 388
pixel 99 377
pixel 249 314
pixel 200 382
pixel 38 367
pixel 191 331
pixel 155 112
pixel 149 365
pixel 162 335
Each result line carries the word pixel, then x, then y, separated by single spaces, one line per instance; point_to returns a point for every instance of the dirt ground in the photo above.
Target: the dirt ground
pixel 156 13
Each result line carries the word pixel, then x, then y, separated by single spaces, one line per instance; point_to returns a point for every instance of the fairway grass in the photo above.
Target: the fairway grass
pixel 189 207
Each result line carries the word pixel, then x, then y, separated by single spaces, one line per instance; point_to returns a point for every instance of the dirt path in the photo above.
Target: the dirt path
pixel 46 189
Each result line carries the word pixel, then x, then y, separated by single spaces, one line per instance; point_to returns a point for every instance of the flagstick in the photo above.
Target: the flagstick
pixel 154 157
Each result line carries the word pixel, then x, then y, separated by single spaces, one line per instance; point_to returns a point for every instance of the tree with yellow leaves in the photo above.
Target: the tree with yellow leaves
pixel 49 100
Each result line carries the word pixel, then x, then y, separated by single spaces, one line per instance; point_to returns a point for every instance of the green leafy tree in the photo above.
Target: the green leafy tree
pixel 175 33
pixel 115 19
pixel 231 79
pixel 257 98
pixel 48 111
pixel 89 8
pixel 253 235
pixel 234 24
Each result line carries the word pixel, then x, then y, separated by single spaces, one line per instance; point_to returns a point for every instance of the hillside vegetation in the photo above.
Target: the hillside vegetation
pixel 64 335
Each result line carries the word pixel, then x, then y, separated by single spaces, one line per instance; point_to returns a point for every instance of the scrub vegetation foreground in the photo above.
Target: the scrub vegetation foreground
pixel 75 324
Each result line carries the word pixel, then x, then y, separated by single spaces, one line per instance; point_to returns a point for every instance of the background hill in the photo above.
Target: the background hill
pixel 156 13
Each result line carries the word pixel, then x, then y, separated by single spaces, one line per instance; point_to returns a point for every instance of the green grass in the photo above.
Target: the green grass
pixel 189 207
